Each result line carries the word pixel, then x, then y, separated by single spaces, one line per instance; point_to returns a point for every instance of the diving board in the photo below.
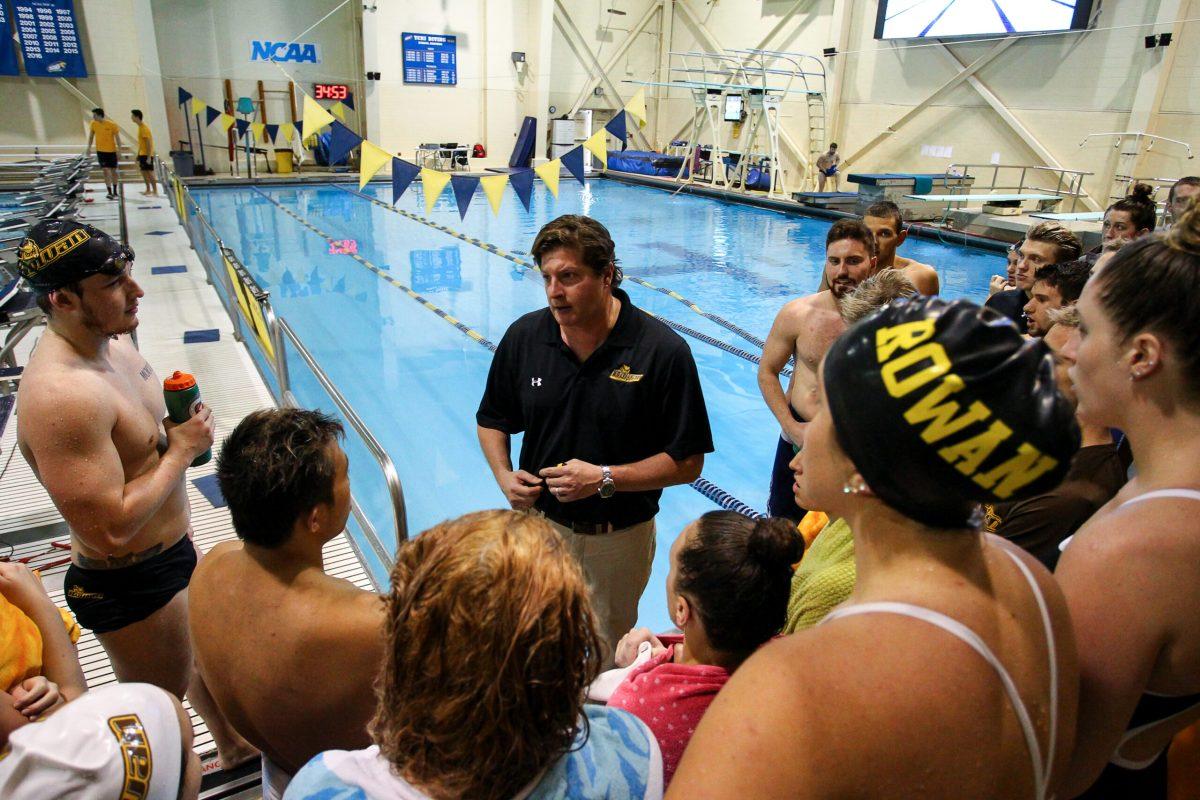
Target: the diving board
pixel 982 198
pixel 1081 216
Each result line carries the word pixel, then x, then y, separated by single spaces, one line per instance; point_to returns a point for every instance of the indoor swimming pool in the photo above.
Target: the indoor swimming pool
pixel 415 378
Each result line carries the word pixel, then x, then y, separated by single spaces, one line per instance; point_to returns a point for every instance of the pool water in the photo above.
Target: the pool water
pixel 416 380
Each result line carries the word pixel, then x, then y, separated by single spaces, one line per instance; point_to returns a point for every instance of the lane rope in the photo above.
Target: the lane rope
pixel 494 250
pixel 705 487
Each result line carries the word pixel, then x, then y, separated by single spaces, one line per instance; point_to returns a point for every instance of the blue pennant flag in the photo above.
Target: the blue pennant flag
pixel 184 96
pixel 349 101
pixel 271 131
pixel 403 174
pixel 341 141
pixel 522 183
pixel 616 126
pixel 464 187
pixel 299 126
pixel 242 127
pixel 210 115
pixel 573 161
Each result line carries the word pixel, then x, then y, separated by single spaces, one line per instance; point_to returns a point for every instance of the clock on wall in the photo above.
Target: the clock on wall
pixel 330 91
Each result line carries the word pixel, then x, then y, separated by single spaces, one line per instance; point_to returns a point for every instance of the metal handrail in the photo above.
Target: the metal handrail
pixel 280 331
pixel 1071 178
pixel 395 489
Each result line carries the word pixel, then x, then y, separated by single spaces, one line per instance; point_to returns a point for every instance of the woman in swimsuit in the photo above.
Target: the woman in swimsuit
pixel 950 672
pixel 1131 575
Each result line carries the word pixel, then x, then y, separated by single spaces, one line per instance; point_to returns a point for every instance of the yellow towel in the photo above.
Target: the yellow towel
pixel 21 644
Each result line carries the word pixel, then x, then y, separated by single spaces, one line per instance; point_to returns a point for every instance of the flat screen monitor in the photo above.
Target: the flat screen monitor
pixel 733 107
pixel 946 19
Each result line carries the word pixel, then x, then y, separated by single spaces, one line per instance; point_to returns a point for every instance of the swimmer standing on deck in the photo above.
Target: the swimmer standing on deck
pixel 805 328
pixel 91 424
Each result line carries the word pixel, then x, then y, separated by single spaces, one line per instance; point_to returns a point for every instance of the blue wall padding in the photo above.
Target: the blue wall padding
pixel 522 154
pixel 642 162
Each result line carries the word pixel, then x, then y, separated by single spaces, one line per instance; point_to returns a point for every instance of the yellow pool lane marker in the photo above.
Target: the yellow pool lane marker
pixel 447 316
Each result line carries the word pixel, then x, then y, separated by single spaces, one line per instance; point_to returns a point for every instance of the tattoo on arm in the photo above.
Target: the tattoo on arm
pixel 114 562
pixel 147 373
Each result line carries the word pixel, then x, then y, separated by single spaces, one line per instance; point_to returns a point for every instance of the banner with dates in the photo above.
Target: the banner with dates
pixel 49 38
pixel 8 52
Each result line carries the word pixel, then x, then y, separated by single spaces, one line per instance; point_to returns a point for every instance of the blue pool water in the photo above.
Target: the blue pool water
pixel 416 380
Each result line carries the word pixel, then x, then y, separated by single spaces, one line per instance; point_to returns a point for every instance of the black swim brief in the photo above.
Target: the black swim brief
pixel 144 164
pixel 108 160
pixel 105 600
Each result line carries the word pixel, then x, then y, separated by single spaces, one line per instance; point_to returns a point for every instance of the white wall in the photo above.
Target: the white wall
pixel 117 48
pixel 201 45
pixel 1059 88
pixel 492 96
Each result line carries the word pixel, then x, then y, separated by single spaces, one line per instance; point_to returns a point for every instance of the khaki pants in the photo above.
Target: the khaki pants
pixel 617 568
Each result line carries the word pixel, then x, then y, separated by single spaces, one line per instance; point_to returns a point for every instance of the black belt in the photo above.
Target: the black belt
pixel 587 528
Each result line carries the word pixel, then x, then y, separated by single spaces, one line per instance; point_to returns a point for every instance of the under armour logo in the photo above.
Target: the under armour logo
pixel 535 381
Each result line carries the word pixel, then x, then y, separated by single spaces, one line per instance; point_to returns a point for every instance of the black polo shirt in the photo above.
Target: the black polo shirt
pixel 1010 303
pixel 636 396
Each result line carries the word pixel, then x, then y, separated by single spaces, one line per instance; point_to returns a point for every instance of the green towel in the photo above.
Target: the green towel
pixel 824 578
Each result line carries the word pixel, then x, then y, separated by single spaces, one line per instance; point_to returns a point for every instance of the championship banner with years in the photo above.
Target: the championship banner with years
pixel 49 38
pixel 8 51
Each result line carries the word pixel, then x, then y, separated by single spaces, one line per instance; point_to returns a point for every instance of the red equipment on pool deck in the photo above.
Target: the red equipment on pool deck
pixel 478 152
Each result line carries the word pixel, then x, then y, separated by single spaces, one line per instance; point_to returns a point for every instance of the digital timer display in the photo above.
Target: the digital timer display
pixel 330 91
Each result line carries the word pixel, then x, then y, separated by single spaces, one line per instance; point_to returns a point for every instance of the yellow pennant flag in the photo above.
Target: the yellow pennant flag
pixel 493 187
pixel 288 130
pixel 198 106
pixel 549 173
pixel 371 159
pixel 433 182
pixel 338 110
pixel 256 131
pixel 637 106
pixel 226 121
pixel 597 143
pixel 315 117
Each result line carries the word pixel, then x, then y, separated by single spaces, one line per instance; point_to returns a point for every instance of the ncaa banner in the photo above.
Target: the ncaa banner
pixel 49 38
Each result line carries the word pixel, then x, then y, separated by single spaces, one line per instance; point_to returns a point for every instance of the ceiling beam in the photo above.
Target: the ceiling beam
pixel 621 50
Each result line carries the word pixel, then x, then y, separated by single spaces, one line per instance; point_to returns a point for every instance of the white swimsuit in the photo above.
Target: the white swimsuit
pixel 1041 766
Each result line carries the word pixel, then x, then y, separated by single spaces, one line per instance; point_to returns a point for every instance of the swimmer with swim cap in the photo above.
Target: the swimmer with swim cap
pixel 92 428
pixel 953 642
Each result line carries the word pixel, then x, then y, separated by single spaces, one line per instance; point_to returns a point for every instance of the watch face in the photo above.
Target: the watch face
pixel 608 489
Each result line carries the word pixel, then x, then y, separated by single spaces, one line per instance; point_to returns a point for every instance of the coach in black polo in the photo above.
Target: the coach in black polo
pixel 610 403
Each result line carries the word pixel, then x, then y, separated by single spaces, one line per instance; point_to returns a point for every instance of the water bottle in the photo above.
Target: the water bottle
pixel 182 396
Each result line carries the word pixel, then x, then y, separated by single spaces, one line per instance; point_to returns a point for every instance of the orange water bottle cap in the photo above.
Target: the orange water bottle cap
pixel 178 382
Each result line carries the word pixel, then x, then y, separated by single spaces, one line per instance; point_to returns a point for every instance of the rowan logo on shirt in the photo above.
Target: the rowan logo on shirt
pixel 623 375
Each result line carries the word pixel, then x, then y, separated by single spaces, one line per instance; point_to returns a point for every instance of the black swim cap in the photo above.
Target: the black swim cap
pixel 60 251
pixel 943 405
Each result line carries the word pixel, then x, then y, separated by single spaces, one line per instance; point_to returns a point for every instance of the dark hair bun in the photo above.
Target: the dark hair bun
pixel 1142 193
pixel 1185 233
pixel 775 543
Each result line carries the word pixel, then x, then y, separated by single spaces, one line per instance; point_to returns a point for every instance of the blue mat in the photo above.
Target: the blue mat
pixel 204 335
pixel 169 269
pixel 211 490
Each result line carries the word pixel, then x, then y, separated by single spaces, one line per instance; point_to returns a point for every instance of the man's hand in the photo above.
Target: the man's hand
pixel 573 480
pixel 998 283
pixel 192 437
pixel 521 488
pixel 627 648
pixel 22 588
pixel 35 696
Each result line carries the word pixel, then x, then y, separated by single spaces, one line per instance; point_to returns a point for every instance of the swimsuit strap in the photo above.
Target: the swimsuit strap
pixel 971 639
pixel 1181 494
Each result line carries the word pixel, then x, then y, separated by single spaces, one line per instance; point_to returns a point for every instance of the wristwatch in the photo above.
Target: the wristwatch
pixel 607 487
